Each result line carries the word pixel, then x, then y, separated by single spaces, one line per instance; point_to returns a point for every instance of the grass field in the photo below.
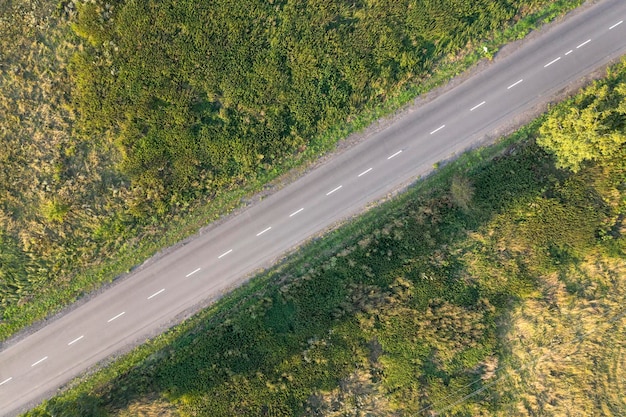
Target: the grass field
pixel 494 287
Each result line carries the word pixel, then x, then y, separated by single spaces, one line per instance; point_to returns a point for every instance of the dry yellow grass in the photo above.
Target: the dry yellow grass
pixel 148 407
pixel 567 347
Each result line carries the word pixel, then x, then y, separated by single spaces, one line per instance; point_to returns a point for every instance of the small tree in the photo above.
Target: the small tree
pixel 461 192
pixel 590 129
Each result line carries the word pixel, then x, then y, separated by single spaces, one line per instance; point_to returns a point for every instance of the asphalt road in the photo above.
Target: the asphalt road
pixel 133 309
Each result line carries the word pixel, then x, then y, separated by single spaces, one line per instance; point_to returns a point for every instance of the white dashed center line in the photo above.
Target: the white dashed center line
pixel 477 106
pixel 156 293
pixel 328 193
pixel 551 62
pixel 192 272
pixel 333 190
pixel 296 212
pixel 116 317
pixel 514 84
pixel 39 361
pixel 438 129
pixel 364 172
pixel 75 340
pixel 224 254
pixel 263 231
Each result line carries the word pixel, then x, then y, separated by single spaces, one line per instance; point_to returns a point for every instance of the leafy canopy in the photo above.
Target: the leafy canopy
pixel 591 129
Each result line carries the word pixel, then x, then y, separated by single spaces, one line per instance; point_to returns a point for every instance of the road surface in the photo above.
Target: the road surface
pixel 150 299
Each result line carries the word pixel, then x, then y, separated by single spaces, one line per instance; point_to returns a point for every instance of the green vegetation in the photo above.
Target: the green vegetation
pixel 494 287
pixel 592 129
pixel 120 117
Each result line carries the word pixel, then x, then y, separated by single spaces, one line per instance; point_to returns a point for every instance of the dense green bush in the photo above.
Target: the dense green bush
pixel 197 95
pixel 593 128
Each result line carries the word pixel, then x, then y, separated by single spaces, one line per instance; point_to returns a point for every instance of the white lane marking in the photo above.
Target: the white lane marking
pixel 394 155
pixel 224 254
pixel 296 212
pixel 514 84
pixel 6 380
pixel 617 24
pixel 75 340
pixel 569 52
pixel 39 361
pixel 156 293
pixel 364 172
pixel 333 190
pixel 116 317
pixel 263 231
pixel 583 44
pixel 477 106
pixel 438 129
pixel 551 62
pixel 192 272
